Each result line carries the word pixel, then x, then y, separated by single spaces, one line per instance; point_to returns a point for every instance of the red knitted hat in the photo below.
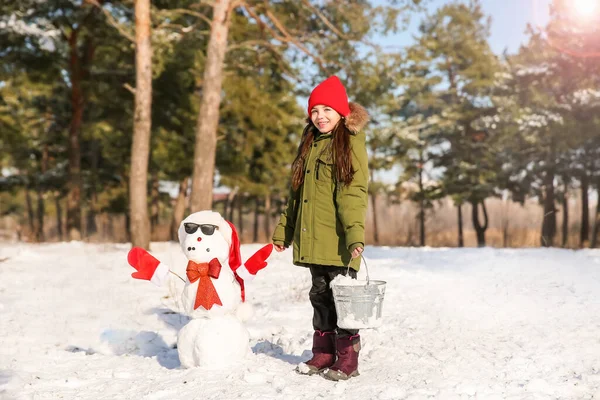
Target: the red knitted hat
pixel 330 93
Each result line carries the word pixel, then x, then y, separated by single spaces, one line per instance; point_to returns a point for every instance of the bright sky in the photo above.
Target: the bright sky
pixel 509 22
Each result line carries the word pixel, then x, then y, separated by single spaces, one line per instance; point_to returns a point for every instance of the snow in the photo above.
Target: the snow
pixel 42 28
pixel 345 280
pixel 457 324
pixel 543 69
pixel 586 97
pixel 542 119
pixel 212 342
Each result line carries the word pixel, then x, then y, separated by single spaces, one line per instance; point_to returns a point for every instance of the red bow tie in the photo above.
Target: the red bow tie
pixel 206 295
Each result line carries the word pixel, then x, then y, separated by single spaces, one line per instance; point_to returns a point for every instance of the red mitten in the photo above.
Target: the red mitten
pixel 148 268
pixel 255 263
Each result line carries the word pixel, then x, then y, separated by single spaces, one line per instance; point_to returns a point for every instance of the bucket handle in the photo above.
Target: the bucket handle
pixel 366 268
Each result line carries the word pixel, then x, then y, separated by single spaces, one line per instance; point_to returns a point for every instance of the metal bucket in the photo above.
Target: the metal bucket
pixel 359 305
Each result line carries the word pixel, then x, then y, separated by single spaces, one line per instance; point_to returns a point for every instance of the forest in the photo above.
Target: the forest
pixel 119 118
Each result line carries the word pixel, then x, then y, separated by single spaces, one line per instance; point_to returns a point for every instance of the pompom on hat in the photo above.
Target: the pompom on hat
pixel 331 92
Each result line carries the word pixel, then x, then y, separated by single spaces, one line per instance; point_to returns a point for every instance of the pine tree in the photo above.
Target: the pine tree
pixel 573 38
pixel 552 130
pixel 450 74
pixel 56 41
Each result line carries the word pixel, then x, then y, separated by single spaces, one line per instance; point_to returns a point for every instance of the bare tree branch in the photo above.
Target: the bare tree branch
pixel 329 24
pixel 324 19
pixel 250 45
pixel 290 38
pixel 186 12
pixel 129 88
pixel 63 34
pixel 260 22
pixel 200 3
pixel 184 29
pixel 112 20
pixel 235 4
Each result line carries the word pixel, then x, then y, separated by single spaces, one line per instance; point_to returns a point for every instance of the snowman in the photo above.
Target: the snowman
pixel 213 295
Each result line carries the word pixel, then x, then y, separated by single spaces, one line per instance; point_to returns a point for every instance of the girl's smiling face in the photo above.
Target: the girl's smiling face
pixel 324 118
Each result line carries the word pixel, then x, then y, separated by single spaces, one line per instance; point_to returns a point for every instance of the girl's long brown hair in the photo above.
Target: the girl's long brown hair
pixel 341 154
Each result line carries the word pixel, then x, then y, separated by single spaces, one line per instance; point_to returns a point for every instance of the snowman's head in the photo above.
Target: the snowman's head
pixel 205 235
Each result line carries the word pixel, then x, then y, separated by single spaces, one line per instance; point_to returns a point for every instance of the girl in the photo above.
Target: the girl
pixel 325 218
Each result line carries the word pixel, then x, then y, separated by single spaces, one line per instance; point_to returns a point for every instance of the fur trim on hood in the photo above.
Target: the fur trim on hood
pixel 357 119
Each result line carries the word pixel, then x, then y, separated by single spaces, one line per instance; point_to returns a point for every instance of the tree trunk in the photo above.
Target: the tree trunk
pixel 268 232
pixel 232 203
pixel 375 226
pixel 179 209
pixel 584 233
pixel 461 240
pixel 142 123
pixel 228 204
pixel 505 220
pixel 421 203
pixel 30 213
pixel 479 229
pixel 154 201
pixel 39 226
pixel 240 212
pixel 565 219
pixel 256 223
pixel 59 226
pixel 90 226
pixel 74 148
pixel 549 222
pixel 281 203
pixel 505 233
pixel 41 209
pixel 208 117
pixel 596 232
pixel 127 213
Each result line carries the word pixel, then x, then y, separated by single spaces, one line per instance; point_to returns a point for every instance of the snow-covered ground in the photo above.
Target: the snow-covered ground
pixel 458 324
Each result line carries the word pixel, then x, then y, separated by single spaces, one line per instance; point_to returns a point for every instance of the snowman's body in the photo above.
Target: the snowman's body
pixel 218 341
pixel 213 295
pixel 214 336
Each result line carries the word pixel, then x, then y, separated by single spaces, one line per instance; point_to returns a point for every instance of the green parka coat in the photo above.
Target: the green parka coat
pixel 325 220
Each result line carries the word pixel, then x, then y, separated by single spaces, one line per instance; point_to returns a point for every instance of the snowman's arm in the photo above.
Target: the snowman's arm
pixel 148 267
pixel 255 263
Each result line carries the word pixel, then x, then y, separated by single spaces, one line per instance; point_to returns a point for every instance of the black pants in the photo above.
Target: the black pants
pixel 321 298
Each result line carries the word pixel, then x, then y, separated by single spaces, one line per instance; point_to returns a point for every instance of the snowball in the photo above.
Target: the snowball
pixel 303 368
pixel 244 311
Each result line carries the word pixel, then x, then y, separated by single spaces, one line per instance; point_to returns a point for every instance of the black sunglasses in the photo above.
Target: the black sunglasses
pixel 206 229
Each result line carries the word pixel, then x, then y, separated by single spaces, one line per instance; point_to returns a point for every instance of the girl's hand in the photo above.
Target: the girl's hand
pixel 356 252
pixel 279 248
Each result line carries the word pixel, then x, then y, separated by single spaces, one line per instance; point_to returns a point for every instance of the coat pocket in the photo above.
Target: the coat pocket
pixel 324 170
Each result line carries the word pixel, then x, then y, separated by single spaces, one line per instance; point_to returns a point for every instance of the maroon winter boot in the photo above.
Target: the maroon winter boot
pixel 346 365
pixel 323 354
